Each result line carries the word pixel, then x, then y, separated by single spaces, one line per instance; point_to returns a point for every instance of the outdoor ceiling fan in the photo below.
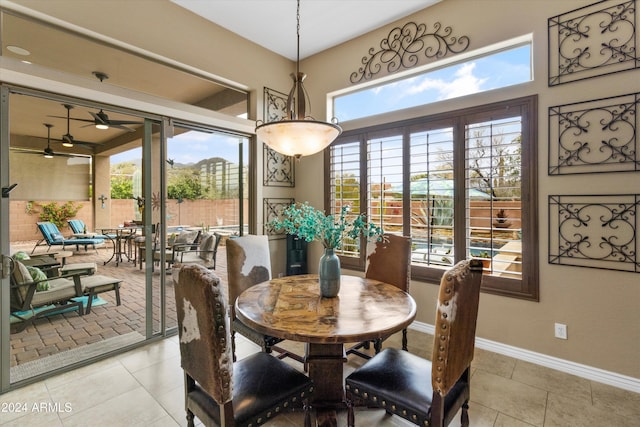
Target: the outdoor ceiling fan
pixel 47 152
pixel 67 138
pixel 101 121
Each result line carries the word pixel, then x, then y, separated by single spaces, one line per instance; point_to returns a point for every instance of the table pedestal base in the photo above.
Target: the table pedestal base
pixel 325 369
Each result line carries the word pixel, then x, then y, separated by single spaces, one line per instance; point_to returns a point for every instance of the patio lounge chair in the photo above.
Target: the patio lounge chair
pixel 32 298
pixel 203 254
pixel 28 303
pixel 51 236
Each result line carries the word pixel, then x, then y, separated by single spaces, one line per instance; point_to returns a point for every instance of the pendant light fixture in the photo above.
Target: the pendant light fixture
pixel 298 134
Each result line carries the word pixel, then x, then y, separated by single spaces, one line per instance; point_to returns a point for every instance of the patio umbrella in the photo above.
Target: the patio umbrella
pixel 436 187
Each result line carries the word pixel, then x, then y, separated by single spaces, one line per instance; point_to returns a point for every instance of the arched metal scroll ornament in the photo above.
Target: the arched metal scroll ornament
pixel 593 40
pixel 595 231
pixel 403 47
pixel 595 136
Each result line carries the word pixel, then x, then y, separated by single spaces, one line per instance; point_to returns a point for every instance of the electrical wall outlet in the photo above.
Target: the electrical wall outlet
pixel 561 331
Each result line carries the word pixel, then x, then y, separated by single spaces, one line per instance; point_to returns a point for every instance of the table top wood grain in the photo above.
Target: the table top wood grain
pixel 291 308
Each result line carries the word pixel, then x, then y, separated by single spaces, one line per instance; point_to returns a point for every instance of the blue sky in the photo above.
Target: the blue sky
pixel 191 147
pixel 497 70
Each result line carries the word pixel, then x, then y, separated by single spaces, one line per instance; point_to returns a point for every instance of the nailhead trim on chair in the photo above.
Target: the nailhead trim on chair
pixel 261 420
pixel 402 412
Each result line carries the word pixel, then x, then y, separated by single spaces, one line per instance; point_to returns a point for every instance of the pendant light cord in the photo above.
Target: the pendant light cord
pixel 298 35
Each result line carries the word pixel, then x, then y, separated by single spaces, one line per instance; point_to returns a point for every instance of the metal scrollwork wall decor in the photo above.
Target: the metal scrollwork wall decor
pixel 593 40
pixel 402 46
pixel 595 231
pixel 279 170
pixel 595 136
pixel 273 210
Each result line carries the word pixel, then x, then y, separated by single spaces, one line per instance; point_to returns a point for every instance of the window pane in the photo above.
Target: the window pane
pixel 494 202
pixel 344 176
pixel 431 195
pixel 479 74
pixel 384 179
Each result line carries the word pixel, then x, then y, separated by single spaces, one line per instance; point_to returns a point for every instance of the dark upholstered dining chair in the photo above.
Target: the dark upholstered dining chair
pixel 218 391
pixel 389 261
pixel 249 263
pixel 427 393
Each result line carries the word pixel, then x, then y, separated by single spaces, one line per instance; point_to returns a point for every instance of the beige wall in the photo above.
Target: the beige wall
pixel 600 307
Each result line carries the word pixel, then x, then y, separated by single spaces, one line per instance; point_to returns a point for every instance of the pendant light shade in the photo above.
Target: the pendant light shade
pixel 298 137
pixel 298 134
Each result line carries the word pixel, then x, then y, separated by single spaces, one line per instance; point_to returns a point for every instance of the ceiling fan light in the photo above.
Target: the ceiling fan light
pixel 102 126
pixel 67 144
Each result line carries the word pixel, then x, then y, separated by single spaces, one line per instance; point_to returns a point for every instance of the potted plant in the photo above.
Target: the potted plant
pixel 501 220
pixel 311 224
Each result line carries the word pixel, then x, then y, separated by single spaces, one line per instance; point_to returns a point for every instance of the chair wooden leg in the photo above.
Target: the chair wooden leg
pixel 464 417
pixel 233 344
pixel 350 417
pixel 404 340
pixel 377 345
pixel 307 413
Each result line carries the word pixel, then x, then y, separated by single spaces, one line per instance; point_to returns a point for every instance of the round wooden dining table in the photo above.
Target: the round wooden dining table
pixel 291 308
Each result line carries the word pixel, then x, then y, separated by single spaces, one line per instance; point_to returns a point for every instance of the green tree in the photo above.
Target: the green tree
pixel 122 180
pixel 184 184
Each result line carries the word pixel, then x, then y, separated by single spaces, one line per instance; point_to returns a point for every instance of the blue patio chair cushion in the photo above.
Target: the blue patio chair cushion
pixel 77 225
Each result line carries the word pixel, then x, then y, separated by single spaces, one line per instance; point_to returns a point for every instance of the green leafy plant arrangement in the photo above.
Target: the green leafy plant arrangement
pixel 311 224
pixel 59 214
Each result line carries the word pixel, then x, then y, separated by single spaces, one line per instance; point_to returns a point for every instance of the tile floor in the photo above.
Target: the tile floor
pixel 144 388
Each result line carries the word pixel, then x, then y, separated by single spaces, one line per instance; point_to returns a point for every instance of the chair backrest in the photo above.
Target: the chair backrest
pixel 455 325
pixel 209 246
pixel 21 294
pixel 248 263
pixel 389 260
pixel 188 237
pixel 77 225
pixel 50 232
pixel 204 331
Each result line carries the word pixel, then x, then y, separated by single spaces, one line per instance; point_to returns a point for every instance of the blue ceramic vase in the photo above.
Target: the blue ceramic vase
pixel 329 272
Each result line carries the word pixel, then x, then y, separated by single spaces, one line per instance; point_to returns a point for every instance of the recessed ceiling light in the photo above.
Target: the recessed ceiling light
pixel 18 50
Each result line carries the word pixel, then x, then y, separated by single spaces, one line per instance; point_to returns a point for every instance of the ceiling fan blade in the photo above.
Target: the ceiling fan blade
pixel 71 118
pixel 102 118
pixel 76 142
pixel 43 152
pixel 123 122
pixel 111 125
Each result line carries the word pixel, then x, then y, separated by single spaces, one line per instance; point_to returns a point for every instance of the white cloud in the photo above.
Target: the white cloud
pixel 463 83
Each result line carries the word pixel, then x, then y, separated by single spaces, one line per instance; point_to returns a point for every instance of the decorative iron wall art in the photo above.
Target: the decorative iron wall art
pixel 279 170
pixel 594 136
pixel 592 41
pixel 272 210
pixel 402 47
pixel 595 231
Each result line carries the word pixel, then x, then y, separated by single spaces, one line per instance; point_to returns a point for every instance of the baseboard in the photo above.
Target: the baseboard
pixel 577 369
